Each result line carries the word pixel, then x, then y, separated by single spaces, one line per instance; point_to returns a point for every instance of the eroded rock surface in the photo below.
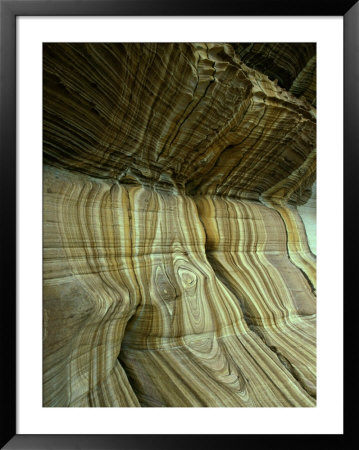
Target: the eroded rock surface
pixel 177 270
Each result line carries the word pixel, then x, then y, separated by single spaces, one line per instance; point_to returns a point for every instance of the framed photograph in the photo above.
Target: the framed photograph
pixel 174 176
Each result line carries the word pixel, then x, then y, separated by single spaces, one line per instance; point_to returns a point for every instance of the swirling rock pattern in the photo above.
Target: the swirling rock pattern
pixel 293 66
pixel 177 270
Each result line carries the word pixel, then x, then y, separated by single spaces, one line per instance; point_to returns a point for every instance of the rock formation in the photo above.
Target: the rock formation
pixel 176 264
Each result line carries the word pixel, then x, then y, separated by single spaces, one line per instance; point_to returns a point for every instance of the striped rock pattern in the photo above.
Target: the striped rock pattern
pixel 308 213
pixel 177 270
pixel 292 65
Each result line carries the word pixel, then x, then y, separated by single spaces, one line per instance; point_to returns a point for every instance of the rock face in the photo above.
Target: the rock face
pixel 177 269
pixel 308 213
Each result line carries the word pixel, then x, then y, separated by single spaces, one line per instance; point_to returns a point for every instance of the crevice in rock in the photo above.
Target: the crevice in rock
pixel 218 270
pixel 310 284
pixel 312 287
pixel 306 385
pixel 130 380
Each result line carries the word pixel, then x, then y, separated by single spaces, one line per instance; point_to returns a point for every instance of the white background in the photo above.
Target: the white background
pixel 327 416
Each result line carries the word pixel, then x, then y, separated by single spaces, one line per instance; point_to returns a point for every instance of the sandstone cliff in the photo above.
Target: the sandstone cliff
pixel 177 269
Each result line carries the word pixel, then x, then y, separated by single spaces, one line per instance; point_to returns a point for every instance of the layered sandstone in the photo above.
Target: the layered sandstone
pixel 177 270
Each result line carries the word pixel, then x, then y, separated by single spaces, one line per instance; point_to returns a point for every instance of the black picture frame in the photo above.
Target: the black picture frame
pixel 9 10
